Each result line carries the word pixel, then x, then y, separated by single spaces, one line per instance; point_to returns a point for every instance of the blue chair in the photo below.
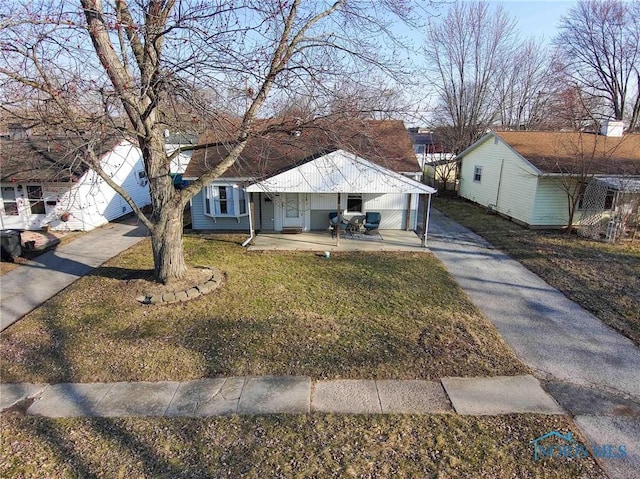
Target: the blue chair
pixel 372 221
pixel 333 224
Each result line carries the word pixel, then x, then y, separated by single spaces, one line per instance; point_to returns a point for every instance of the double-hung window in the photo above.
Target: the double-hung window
pixel 477 174
pixel 225 201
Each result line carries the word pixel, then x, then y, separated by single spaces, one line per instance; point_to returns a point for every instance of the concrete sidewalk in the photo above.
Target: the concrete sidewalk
pixel 590 369
pixel 280 395
pixel 28 286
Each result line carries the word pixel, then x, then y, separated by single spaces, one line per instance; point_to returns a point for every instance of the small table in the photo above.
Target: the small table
pixel 356 223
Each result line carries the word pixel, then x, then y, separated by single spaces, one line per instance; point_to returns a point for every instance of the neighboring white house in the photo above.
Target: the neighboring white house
pixel 44 184
pixel 295 177
pixel 525 175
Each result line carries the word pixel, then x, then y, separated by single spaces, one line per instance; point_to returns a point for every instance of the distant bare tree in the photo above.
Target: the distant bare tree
pixel 599 45
pixel 526 85
pixel 467 48
pixel 93 69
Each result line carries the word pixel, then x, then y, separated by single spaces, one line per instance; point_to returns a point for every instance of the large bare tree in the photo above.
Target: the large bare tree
pixel 599 44
pixel 466 49
pixel 99 68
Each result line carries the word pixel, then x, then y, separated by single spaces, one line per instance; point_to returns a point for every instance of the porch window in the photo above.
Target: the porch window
pixel 223 200
pixel 9 203
pixel 36 202
pixel 477 174
pixel 354 204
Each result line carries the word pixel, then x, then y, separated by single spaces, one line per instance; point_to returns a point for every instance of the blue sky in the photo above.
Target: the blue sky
pixel 537 18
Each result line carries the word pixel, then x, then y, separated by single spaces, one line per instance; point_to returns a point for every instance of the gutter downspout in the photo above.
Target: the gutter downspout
pixel 251 232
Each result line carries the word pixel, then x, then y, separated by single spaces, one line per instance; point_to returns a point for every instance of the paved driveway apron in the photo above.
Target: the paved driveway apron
pixel 590 369
pixel 27 287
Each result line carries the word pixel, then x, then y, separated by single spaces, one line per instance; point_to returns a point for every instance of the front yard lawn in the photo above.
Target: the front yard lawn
pixel 355 315
pixel 315 445
pixel 604 278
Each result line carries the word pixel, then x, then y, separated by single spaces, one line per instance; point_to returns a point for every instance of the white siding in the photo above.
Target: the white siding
pixel 551 205
pixel 508 182
pixel 93 203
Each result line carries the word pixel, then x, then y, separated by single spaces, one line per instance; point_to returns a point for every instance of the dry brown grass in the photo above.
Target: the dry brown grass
pixel 316 445
pixel 357 315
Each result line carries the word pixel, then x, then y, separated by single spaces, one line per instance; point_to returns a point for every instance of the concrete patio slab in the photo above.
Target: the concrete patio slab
pixel 137 399
pixel 69 399
pixel 412 397
pixel 614 431
pixel 207 397
pixel 320 241
pixel 275 395
pixel 499 395
pixel 10 393
pixel 346 396
pixel 581 400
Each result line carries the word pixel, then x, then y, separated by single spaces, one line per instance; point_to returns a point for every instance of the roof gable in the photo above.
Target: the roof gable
pixel 339 172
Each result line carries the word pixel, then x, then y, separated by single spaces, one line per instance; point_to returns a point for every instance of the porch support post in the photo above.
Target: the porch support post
pixel 251 216
pixel 407 214
pixel 427 213
pixel 339 222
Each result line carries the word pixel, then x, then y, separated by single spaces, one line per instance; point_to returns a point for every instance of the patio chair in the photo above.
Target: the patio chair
pixel 372 221
pixel 333 224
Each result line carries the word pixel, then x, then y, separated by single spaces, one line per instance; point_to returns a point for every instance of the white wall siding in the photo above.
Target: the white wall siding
pixel 551 204
pixel 92 202
pixel 508 182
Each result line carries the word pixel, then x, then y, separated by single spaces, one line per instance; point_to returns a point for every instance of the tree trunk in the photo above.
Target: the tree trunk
pixel 166 242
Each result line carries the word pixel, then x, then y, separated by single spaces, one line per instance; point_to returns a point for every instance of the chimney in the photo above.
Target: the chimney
pixel 17 131
pixel 614 128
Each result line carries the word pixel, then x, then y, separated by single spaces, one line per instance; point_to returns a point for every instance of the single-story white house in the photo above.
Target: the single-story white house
pixel 43 184
pixel 525 175
pixel 292 178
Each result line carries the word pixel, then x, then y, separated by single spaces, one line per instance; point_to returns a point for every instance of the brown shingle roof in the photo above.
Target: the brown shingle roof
pixel 562 152
pixel 277 149
pixel 44 159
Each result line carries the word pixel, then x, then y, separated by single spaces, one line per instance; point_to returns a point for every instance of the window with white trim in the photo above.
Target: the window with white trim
pixel 477 174
pixel 225 201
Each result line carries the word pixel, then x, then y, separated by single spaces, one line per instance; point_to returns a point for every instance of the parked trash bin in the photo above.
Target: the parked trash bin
pixel 11 242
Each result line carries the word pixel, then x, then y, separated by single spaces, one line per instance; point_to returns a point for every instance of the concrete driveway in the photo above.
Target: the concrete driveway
pixel 591 370
pixel 28 286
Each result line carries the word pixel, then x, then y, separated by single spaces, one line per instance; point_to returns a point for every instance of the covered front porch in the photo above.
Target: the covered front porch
pixel 321 241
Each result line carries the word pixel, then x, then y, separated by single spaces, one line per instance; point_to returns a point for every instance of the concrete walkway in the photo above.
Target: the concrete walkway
pixel 28 286
pixel 590 369
pixel 281 395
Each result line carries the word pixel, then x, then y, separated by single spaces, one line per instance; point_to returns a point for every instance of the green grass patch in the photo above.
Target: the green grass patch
pixel 355 315
pixel 602 277
pixel 442 446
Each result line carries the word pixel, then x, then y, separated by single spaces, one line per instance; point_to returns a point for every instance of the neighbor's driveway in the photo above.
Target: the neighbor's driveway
pixel 28 286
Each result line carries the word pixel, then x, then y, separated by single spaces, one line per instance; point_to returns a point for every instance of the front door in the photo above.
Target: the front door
pixel 293 214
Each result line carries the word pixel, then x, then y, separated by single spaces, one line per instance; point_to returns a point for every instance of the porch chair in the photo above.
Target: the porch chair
pixel 333 224
pixel 372 221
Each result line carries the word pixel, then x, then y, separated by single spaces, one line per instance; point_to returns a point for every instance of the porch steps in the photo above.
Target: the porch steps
pixel 291 231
